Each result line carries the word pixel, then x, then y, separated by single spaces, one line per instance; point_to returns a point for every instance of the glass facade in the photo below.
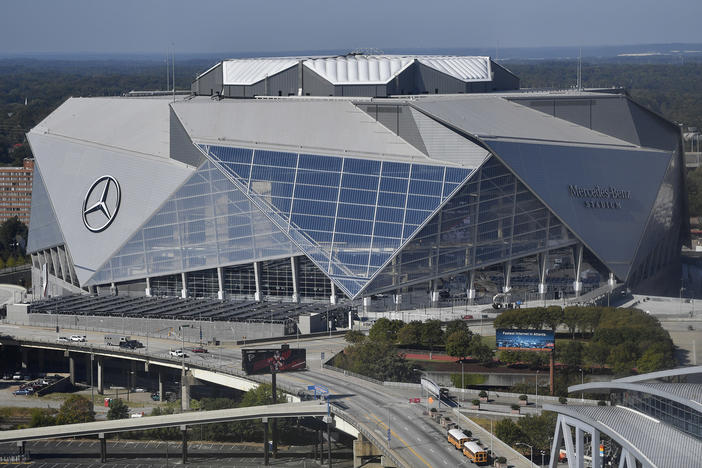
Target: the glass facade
pixel 208 222
pixel 349 215
pixel 492 218
pixel 682 417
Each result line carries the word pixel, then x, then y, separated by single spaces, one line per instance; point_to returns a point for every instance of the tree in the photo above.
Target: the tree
pixel 596 353
pixel 41 417
pixel 354 336
pixel 622 358
pixel 508 431
pixel 385 330
pixel 479 350
pixel 571 354
pixel 118 409
pixel 459 343
pixel 570 318
pixel 432 333
pixel 553 317
pixel 76 409
pixel 456 325
pixel 410 333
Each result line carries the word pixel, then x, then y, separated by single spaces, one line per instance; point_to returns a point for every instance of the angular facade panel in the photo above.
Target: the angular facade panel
pixel 207 223
pixel 492 218
pixel 349 215
pixel 44 230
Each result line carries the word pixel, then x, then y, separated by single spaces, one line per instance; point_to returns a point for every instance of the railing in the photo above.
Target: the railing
pixel 353 374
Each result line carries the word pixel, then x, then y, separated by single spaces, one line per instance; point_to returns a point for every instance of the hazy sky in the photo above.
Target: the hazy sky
pixel 211 26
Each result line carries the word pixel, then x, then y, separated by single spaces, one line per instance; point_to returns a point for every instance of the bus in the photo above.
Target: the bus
pixel 457 438
pixel 475 452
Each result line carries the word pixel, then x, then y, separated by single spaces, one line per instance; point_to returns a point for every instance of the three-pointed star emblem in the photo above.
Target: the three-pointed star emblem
pixel 101 203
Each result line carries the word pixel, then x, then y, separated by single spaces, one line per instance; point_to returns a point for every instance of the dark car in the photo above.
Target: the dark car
pixel 23 391
pixel 130 344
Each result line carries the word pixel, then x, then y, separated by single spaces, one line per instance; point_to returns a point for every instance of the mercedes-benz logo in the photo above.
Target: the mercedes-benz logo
pixel 101 203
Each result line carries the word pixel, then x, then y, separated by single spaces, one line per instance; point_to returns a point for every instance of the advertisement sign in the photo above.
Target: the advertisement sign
pixel 525 340
pixel 264 361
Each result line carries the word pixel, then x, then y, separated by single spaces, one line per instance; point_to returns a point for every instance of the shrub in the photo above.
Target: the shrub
pixel 501 460
pixel 523 397
pixel 514 406
pixel 482 394
pixel 476 402
pixel 601 403
pixel 433 410
pixel 562 400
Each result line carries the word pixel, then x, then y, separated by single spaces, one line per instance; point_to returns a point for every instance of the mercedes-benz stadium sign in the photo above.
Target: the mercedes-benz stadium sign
pixel 101 203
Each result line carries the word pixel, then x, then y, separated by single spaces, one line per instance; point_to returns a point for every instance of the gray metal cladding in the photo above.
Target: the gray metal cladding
pixel 209 83
pixel 430 81
pixel 654 131
pixel 181 147
pixel 44 230
pixel 603 195
pixel 503 79
pixel 314 84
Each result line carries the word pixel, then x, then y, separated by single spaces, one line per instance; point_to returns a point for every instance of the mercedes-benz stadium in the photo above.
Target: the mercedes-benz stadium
pixel 342 178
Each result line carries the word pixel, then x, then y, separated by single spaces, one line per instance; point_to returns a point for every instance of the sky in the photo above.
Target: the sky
pixel 232 26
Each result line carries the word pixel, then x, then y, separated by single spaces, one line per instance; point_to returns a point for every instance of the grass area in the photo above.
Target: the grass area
pixel 99 400
pixel 482 422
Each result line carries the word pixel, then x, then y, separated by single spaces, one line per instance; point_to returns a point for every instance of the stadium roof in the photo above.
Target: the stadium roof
pixel 355 69
pixel 660 444
pixel 687 394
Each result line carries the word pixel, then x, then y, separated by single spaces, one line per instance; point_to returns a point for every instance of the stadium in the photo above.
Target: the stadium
pixel 381 180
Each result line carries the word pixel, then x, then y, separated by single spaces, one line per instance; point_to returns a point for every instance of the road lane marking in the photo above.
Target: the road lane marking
pixel 401 440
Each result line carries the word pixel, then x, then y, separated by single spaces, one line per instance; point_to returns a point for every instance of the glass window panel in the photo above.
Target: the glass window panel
pixel 351 241
pixel 364 197
pixel 416 216
pixel 388 229
pixel 363 212
pixel 319 236
pixel 281 204
pixel 454 174
pixel 424 172
pixel 359 181
pixel 389 184
pixel 315 223
pixel 389 214
pixel 422 202
pixel 421 187
pixel 409 230
pixel 361 166
pixel 275 158
pixel 314 207
pixel 276 174
pixel 324 163
pixel 354 226
pixel 448 188
pixel 395 169
pixel 391 199
pixel 240 170
pixel 329 179
pixel 310 192
pixel 237 155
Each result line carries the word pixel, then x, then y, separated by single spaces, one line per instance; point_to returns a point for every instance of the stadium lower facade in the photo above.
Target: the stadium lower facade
pixel 356 177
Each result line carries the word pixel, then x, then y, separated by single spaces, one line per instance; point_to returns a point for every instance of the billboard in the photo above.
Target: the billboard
pixel 264 361
pixel 525 340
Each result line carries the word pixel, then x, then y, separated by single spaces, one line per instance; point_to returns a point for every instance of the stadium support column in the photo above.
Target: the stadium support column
pixel 220 283
pixel 293 268
pixel 595 445
pixel 113 289
pixel 147 291
pixel 578 258
pixel 508 273
pixel 612 282
pixel 264 421
pixel 184 391
pixel 470 291
pixel 257 278
pixel 542 257
pixel 332 298
pixel 184 283
pixel 434 291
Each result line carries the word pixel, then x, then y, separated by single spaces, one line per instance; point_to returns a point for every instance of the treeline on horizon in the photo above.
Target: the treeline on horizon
pixel 673 90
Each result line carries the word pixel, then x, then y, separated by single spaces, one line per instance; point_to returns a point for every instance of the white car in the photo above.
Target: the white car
pixel 62 339
pixel 177 353
pixel 78 338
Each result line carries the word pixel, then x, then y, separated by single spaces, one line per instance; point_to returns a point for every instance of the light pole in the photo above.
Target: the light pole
pixel 463 387
pixel 537 389
pixel 582 381
pixel 531 451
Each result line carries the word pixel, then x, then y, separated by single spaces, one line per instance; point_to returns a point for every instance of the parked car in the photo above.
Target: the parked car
pixel 155 396
pixel 467 317
pixel 62 339
pixel 17 376
pixel 23 391
pixel 78 338
pixel 139 390
pixel 177 353
pixel 199 350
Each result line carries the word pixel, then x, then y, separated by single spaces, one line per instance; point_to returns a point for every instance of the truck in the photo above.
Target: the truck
pixel 115 340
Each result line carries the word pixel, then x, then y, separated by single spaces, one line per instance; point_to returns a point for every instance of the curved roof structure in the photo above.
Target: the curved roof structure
pixel 686 394
pixel 653 443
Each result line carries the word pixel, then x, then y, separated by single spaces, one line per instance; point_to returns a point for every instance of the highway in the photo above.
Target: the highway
pixel 414 439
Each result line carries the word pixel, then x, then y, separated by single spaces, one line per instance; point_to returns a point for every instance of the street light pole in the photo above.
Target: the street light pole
pixel 531 451
pixel 537 390
pixel 463 387
pixel 582 381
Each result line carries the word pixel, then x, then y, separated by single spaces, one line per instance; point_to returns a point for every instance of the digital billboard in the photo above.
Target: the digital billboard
pixel 264 361
pixel 525 340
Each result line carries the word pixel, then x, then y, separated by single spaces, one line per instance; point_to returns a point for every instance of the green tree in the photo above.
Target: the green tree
pixel 432 334
pixel 41 417
pixel 118 409
pixel 538 430
pixel 410 333
pixel 456 325
pixel 76 409
pixel 553 317
pixel 571 353
pixel 508 432
pixel 570 319
pixel 385 330
pixel 459 343
pixel 479 350
pixel 622 358
pixel 596 353
pixel 376 359
pixel 354 336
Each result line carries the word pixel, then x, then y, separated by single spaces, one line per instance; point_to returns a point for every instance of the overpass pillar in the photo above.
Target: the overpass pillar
pixel 160 385
pixel 72 368
pixel 264 421
pixel 25 358
pixel 184 431
pixel 100 383
pixel 132 375
pixel 88 369
pixel 330 422
pixel 363 449
pixel 184 391
pixel 103 447
pixel 21 447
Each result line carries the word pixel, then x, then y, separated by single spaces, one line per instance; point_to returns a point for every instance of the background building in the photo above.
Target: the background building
pixel 16 191
pixel 456 186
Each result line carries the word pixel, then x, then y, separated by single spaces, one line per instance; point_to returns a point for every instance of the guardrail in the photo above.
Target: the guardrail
pixel 353 374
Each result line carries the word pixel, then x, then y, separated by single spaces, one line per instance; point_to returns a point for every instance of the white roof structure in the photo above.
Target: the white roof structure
pixel 250 71
pixel 355 69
